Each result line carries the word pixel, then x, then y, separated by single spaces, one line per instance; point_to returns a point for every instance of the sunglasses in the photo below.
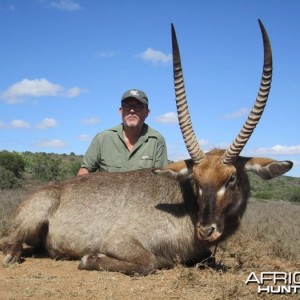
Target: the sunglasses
pixel 136 107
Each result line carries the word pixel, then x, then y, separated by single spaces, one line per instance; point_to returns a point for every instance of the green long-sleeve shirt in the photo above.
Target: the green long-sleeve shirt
pixel 108 151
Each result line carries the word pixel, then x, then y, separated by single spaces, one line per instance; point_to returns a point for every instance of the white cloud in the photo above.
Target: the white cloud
pixel 17 92
pixel 56 143
pixel 279 149
pixel 73 92
pixel 236 114
pixel 85 138
pixel 155 56
pixel 19 124
pixel 90 121
pixel 203 142
pixel 168 118
pixel 67 5
pixel 47 123
pixel 178 151
pixel 33 88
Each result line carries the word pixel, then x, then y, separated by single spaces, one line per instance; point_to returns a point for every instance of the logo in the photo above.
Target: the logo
pixel 275 282
pixel 134 93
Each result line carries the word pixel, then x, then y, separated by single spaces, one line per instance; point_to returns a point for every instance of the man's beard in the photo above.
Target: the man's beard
pixel 131 122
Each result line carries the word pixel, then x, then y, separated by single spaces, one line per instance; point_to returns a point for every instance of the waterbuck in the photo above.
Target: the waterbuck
pixel 140 221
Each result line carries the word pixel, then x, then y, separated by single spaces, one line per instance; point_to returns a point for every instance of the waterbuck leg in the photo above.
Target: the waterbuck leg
pixel 123 254
pixel 101 262
pixel 13 253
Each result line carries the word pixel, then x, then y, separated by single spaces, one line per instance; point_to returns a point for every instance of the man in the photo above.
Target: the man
pixel 129 146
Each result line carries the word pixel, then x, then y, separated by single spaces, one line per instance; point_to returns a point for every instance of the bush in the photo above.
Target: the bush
pixel 264 195
pixel 45 168
pixel 12 162
pixel 70 169
pixel 8 180
pixel 295 196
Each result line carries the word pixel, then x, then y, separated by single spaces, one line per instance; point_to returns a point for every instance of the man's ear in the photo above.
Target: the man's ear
pixel 148 111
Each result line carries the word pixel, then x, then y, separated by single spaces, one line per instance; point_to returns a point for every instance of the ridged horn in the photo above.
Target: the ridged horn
pixel 182 107
pixel 231 154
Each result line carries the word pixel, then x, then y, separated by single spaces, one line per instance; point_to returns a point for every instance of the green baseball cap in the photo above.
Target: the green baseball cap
pixel 136 94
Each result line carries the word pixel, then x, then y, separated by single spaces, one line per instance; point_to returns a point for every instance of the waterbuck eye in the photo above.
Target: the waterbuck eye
pixel 231 180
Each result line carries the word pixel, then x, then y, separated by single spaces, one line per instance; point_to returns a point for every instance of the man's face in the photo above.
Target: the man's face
pixel 133 113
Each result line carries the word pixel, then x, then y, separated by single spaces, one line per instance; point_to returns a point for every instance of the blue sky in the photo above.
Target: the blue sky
pixel 64 65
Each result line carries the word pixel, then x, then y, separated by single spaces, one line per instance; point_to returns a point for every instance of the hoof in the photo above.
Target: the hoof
pixel 10 259
pixel 13 253
pixel 87 262
pixel 90 262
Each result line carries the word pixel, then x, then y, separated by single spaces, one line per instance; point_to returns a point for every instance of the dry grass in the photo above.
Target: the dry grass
pixel 268 240
pixel 9 199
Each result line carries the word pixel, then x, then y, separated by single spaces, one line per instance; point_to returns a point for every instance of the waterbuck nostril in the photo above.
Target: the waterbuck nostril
pixel 206 231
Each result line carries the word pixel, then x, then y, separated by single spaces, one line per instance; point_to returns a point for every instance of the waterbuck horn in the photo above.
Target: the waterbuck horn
pixel 238 144
pixel 182 107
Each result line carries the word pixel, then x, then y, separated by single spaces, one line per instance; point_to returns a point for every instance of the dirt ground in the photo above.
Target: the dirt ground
pixel 49 279
pixel 44 278
pixel 268 240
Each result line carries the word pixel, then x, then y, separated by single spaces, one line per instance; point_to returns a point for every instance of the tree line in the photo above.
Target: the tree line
pixel 16 167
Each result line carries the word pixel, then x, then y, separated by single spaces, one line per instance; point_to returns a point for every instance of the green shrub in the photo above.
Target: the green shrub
pixel 264 195
pixel 13 162
pixel 8 180
pixel 295 195
pixel 70 169
pixel 45 168
pixel 29 162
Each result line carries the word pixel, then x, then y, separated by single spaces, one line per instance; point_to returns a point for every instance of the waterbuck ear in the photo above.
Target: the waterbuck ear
pixel 267 168
pixel 179 170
